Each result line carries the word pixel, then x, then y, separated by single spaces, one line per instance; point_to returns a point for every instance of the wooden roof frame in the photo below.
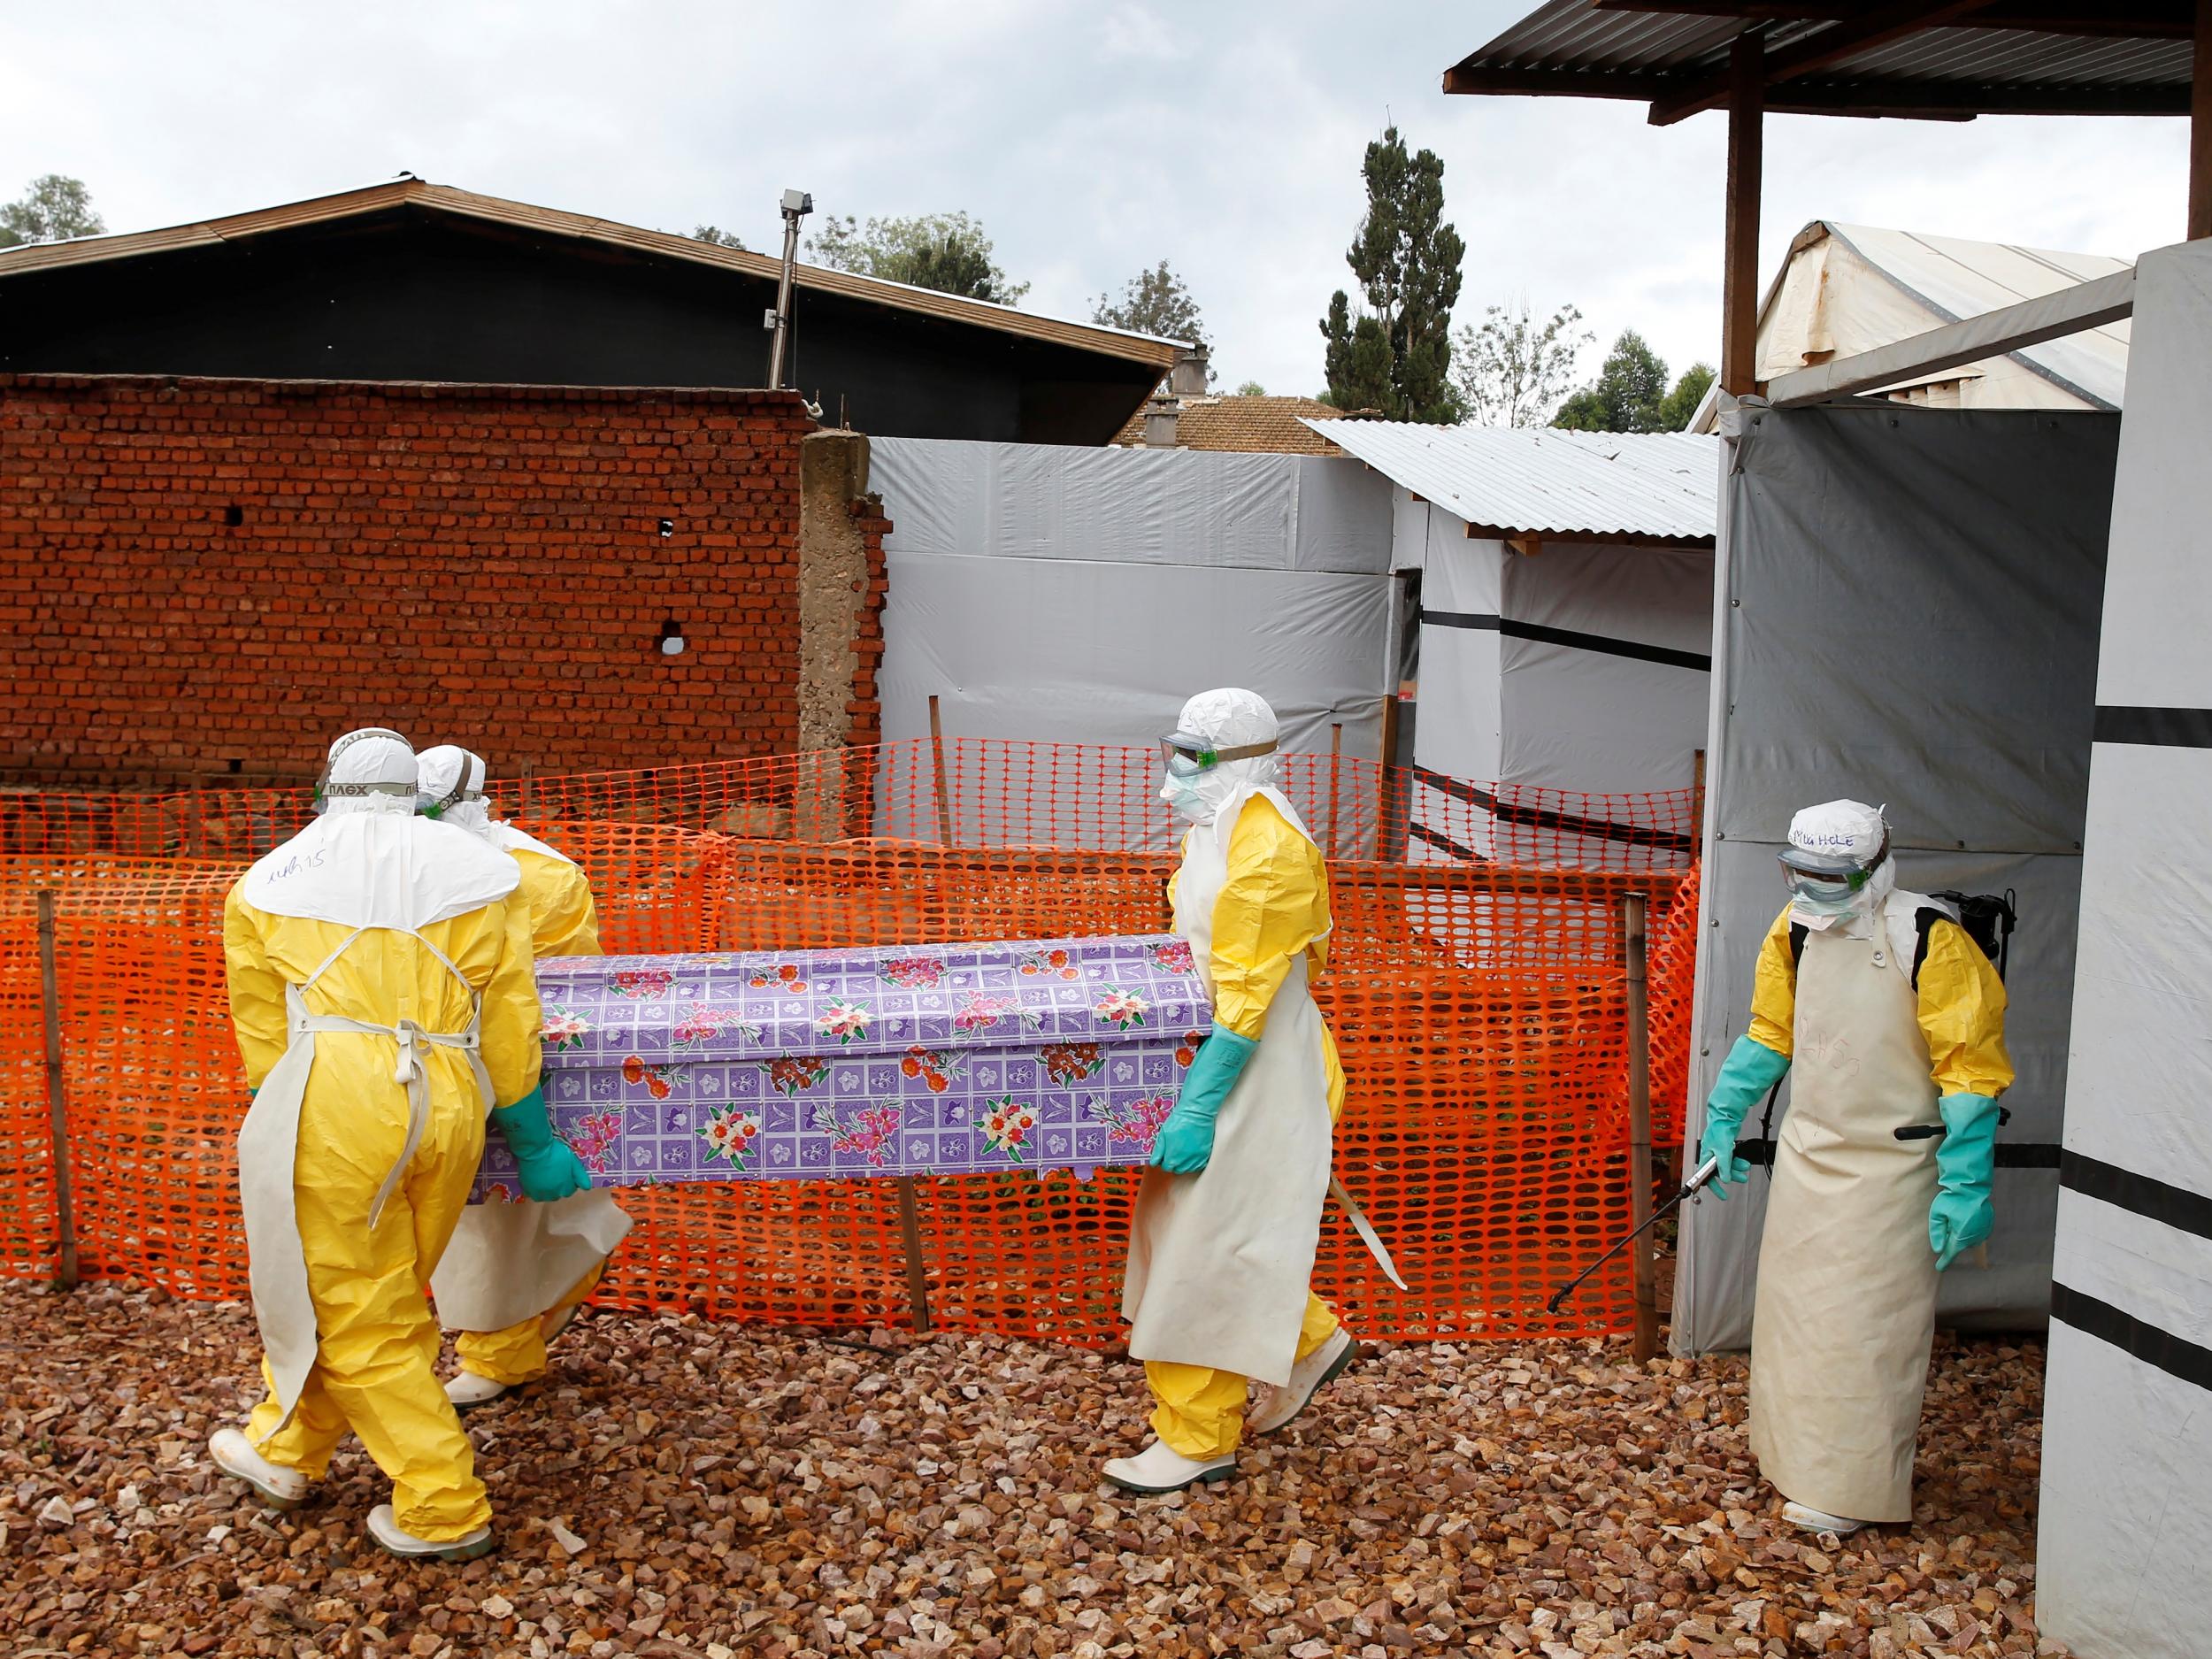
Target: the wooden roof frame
pixel 1805 56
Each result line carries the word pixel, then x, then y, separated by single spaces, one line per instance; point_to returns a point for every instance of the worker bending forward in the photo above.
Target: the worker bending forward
pixel 1222 1243
pixel 1896 1021
pixel 515 1273
pixel 380 984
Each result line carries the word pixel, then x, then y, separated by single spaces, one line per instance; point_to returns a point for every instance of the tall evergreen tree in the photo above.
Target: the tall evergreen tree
pixel 1629 395
pixel 1395 355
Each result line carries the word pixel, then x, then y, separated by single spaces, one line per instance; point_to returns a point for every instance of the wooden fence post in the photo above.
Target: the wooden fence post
pixel 57 1100
pixel 1647 1344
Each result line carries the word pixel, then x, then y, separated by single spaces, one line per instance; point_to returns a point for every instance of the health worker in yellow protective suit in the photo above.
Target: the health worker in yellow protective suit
pixel 380 984
pixel 515 1273
pixel 1222 1243
pixel 1896 1022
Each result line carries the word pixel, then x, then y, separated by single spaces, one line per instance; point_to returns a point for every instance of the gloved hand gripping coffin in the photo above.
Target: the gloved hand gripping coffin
pixel 817 1064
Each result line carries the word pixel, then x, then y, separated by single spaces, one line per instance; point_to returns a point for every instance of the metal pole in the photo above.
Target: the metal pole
pixel 796 205
pixel 911 1237
pixel 937 764
pixel 1646 1268
pixel 57 1101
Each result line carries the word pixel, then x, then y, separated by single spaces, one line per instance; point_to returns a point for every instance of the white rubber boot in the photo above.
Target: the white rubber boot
pixel 1276 1406
pixel 1160 1468
pixel 384 1530
pixel 1814 1520
pixel 278 1487
pixel 467 1390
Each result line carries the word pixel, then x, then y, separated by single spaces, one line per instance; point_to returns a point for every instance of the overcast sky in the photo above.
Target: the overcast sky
pixel 1091 140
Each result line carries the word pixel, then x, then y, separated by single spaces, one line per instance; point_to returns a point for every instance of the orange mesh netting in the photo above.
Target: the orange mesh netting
pixel 1479 1002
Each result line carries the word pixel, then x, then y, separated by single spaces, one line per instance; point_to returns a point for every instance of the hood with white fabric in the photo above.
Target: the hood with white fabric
pixel 1229 718
pixel 452 792
pixel 375 868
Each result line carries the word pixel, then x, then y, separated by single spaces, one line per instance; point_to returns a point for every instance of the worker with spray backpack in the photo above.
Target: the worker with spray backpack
pixel 1894 1018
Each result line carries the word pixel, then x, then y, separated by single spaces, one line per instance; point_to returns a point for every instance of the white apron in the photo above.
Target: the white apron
pixel 509 1263
pixel 1219 1262
pixel 1845 1308
pixel 361 871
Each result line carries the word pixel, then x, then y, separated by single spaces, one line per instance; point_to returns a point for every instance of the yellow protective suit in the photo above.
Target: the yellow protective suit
pixel 1273 909
pixel 376 1356
pixel 1961 1007
pixel 563 922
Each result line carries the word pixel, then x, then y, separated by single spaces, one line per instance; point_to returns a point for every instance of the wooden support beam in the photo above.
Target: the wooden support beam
pixel 1992 334
pixel 2200 128
pixel 1740 278
pixel 1562 83
pixel 2139 19
pixel 1830 47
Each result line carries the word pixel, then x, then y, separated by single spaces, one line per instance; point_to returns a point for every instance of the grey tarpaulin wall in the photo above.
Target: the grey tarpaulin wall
pixel 1906 611
pixel 2126 1530
pixel 1048 593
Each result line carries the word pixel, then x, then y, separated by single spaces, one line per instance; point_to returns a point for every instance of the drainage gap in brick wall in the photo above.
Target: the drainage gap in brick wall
pixel 672 637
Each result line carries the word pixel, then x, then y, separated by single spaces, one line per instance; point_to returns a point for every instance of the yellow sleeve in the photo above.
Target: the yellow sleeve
pixel 1963 1016
pixel 563 922
pixel 257 990
pixel 1774 990
pixel 510 1019
pixel 1273 908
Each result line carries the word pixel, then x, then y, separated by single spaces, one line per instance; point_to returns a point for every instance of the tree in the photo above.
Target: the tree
pixel 1630 394
pixel 54 209
pixel 1251 388
pixel 1689 392
pixel 719 238
pixel 1154 301
pixel 1513 371
pixel 1396 354
pixel 945 251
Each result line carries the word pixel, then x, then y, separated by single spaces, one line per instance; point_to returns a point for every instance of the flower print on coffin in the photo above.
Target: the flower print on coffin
pixel 793 1065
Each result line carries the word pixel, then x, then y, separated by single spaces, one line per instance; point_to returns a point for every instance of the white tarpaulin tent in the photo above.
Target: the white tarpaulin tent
pixel 2126 1530
pixel 1048 593
pixel 1905 613
pixel 1565 614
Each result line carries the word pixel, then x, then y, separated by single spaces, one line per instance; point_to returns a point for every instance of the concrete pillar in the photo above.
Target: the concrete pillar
pixel 832 601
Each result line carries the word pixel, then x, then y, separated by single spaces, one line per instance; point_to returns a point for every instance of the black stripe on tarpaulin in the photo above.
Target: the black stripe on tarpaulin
pixel 1543 818
pixel 2157 728
pixel 1542 636
pixel 1444 843
pixel 2138 1195
pixel 2027 1155
pixel 2136 1338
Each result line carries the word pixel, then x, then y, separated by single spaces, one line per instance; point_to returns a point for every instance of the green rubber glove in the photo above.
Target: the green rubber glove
pixel 550 1168
pixel 1962 1214
pixel 1750 1072
pixel 1185 1140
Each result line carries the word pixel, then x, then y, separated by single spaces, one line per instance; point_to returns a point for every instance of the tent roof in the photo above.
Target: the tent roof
pixel 1659 486
pixel 422 195
pixel 1945 61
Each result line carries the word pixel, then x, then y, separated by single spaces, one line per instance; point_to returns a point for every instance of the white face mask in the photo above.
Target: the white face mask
pixel 1189 802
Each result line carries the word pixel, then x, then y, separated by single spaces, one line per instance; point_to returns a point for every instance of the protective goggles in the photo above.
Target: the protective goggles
pixel 1829 876
pixel 468 787
pixel 1187 756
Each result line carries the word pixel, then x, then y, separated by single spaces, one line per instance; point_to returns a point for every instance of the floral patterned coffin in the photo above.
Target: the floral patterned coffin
pixel 1064 1054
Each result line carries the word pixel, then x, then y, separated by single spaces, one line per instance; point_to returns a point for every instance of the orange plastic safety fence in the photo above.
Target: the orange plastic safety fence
pixel 1480 1008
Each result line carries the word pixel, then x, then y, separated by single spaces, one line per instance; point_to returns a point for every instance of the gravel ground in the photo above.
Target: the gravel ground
pixel 683 1488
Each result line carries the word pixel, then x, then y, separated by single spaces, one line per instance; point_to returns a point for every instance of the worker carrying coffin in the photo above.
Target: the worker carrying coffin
pixel 1221 1242
pixel 1893 1020
pixel 380 984
pixel 514 1274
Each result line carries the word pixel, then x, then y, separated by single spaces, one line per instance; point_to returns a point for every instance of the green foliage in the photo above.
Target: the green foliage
pixel 1512 371
pixel 719 238
pixel 1251 388
pixel 53 208
pixel 1689 392
pixel 1154 301
pixel 945 251
pixel 1395 355
pixel 1630 394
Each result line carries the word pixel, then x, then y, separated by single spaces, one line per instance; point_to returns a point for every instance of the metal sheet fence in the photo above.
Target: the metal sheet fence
pixel 1479 1006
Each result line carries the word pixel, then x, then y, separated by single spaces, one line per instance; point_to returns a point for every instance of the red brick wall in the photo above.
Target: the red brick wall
pixel 866 707
pixel 477 565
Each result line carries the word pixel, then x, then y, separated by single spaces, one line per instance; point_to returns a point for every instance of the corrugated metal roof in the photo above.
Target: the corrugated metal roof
pixel 1544 480
pixel 1570 48
pixel 421 193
